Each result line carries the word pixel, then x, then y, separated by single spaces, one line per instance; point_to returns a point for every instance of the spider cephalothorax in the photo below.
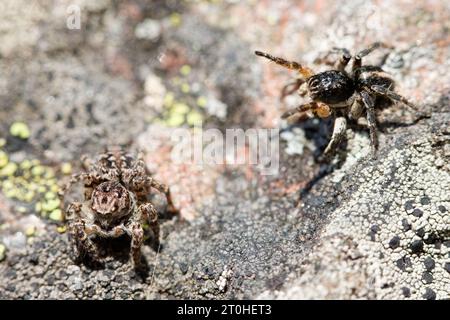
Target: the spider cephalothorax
pixel 111 201
pixel 340 93
pixel 116 190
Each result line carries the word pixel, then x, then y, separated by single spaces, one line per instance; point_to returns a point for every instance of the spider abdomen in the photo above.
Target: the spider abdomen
pixel 368 76
pixel 331 87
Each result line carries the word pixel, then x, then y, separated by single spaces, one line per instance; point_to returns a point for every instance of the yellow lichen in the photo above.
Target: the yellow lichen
pixel 61 229
pixel 185 88
pixel 66 168
pixel 20 130
pixel 175 120
pixel 8 170
pixel 180 108
pixel 30 231
pixel 56 215
pixel 194 118
pixel 175 19
pixel 201 101
pixel 185 70
pixel 3 159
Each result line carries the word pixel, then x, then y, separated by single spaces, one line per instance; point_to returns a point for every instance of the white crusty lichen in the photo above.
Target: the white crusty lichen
pixel 390 237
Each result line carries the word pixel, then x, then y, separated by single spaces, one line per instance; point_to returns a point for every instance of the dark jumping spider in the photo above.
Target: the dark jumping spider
pixel 340 93
pixel 116 190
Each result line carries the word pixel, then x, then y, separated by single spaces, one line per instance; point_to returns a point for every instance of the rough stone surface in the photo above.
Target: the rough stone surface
pixel 362 228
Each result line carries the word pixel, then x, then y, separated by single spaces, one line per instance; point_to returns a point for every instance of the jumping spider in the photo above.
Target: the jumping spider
pixel 116 190
pixel 340 93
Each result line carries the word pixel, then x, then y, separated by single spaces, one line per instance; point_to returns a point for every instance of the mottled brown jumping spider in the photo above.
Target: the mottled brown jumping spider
pixel 340 93
pixel 116 190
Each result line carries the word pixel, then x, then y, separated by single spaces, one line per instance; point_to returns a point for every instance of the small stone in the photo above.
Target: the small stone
pixel 447 267
pixel 429 294
pixel 183 267
pixel 406 292
pixel 425 201
pixel 33 258
pixel 409 205
pixel 427 277
pixel 442 209
pixel 394 242
pixel 420 232
pixel 429 263
pixel 417 213
pixel 416 246
pixel 406 225
pixel 149 29
pixel 20 130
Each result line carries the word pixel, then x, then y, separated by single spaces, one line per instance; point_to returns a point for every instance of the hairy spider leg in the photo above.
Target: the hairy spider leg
pixel 371 120
pixel 340 125
pixel 357 63
pixel 292 65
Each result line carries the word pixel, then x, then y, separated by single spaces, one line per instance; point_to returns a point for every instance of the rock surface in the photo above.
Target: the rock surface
pixel 363 228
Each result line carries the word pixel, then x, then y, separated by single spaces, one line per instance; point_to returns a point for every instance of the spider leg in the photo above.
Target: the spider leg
pixel 291 87
pixel 371 120
pixel 343 60
pixel 79 237
pixel 292 65
pixel 340 125
pixel 380 90
pixel 75 178
pixel 358 58
pixel 145 212
pixel 356 108
pixel 149 211
pixel 137 238
pixel 300 109
pixel 164 189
